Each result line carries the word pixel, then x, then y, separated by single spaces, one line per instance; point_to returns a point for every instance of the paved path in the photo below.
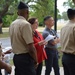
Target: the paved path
pixel 43 71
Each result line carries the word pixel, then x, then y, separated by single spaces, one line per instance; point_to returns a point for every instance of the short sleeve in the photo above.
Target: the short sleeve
pixel 27 33
pixel 45 34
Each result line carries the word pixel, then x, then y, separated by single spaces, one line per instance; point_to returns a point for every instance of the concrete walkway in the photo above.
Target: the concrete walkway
pixel 43 71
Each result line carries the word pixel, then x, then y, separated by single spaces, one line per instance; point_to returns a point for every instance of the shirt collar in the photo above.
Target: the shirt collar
pixel 21 17
pixel 48 28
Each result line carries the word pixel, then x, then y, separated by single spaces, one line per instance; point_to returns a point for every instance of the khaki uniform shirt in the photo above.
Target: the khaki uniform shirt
pixel 67 38
pixel 21 35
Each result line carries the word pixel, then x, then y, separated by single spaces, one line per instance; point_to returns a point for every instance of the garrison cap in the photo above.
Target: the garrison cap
pixel 22 5
pixel 71 11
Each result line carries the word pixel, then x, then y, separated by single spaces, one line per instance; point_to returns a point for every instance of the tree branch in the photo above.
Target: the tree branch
pixel 5 7
pixel 73 1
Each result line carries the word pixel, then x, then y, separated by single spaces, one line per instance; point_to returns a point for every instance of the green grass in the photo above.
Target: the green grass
pixel 4 35
pixel 60 59
pixel 11 61
pixel 40 29
pixel 60 56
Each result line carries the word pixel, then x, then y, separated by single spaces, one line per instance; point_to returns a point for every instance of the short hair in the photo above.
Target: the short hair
pixel 46 18
pixel 22 5
pixel 71 13
pixel 32 20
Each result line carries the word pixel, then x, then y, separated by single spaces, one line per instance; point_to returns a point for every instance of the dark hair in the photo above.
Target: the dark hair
pixel 71 13
pixel 32 20
pixel 46 18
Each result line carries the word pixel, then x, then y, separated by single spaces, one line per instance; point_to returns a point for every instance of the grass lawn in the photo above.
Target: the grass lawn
pixel 40 29
pixel 4 35
pixel 60 57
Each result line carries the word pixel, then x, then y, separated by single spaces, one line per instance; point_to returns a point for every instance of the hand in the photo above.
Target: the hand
pixel 8 52
pixel 3 54
pixel 8 69
pixel 57 40
pixel 54 42
pixel 36 65
pixel 5 66
pixel 43 42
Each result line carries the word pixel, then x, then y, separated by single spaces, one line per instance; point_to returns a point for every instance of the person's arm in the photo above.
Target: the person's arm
pixel 32 52
pixel 26 31
pixel 8 52
pixel 55 41
pixel 5 66
pixel 28 37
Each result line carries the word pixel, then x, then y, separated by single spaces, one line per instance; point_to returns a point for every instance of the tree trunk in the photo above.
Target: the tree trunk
pixel 5 7
pixel 73 1
pixel 1 23
pixel 1 30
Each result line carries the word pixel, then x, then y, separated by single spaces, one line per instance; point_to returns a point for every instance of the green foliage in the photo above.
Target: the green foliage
pixel 69 3
pixel 42 9
pixel 4 35
pixel 8 19
pixel 38 8
pixel 64 15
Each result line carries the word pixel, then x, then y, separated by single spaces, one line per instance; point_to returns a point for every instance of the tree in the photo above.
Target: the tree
pixel 64 16
pixel 38 8
pixel 43 8
pixel 4 6
pixel 73 1
pixel 1 22
pixel 68 4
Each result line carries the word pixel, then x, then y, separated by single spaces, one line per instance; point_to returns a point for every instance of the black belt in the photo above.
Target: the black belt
pixel 22 54
pixel 51 48
pixel 68 54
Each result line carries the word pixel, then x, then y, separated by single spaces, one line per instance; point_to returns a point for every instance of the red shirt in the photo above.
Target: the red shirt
pixel 41 54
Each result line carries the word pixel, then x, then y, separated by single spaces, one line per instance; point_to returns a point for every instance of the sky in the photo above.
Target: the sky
pixel 60 5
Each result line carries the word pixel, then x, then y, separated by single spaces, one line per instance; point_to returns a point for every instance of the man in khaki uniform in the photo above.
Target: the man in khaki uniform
pixel 22 43
pixel 67 37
